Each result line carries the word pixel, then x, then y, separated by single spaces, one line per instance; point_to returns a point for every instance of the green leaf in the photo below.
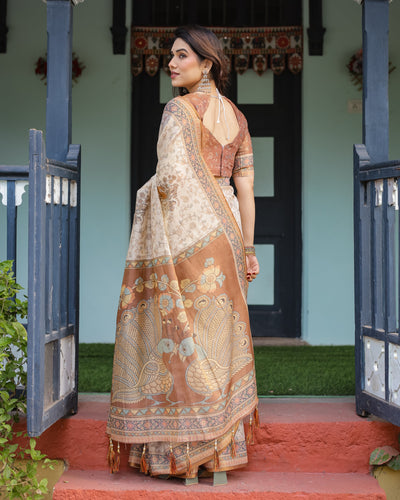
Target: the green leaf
pixel 394 463
pixel 382 455
pixel 13 448
pixel 43 483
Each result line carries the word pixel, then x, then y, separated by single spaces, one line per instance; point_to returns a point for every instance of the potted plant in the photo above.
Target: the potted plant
pixel 385 463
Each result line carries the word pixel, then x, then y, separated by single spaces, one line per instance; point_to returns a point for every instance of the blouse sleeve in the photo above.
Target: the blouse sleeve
pixel 243 165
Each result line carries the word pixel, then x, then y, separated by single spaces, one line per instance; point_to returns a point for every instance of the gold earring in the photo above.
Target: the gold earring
pixel 205 85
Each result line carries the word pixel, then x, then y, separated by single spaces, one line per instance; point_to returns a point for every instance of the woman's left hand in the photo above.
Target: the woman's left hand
pixel 253 267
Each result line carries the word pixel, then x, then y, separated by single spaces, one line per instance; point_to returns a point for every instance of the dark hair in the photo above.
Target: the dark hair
pixel 207 46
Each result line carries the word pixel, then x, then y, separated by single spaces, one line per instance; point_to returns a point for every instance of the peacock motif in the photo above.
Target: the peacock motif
pixel 212 347
pixel 139 369
pixel 219 355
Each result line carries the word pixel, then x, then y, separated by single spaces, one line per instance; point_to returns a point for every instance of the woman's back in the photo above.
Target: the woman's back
pixel 220 119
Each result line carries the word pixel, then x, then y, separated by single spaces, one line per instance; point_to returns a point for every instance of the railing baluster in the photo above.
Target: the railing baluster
pixel 398 260
pixel 378 265
pixel 49 254
pixel 73 253
pixel 365 253
pixel 11 225
pixel 64 253
pixel 390 280
pixel 13 179
pixel 56 248
pixel 372 255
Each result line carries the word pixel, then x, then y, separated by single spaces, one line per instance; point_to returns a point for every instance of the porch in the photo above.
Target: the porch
pixel 304 449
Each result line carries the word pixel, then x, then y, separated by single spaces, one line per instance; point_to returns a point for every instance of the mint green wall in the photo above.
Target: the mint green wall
pixel 22 103
pixel 329 132
pixel 101 123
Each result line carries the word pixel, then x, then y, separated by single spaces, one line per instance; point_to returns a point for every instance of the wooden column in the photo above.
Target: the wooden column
pixel 59 72
pixel 375 79
pixel 3 26
pixel 118 29
pixel 316 30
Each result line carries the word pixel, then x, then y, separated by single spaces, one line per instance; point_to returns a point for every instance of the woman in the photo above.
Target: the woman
pixel 183 378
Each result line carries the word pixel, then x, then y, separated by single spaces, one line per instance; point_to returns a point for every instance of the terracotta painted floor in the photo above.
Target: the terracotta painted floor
pixel 241 484
pixel 305 448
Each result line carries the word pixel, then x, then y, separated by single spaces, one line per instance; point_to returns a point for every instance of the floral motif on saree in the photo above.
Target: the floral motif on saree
pixel 183 376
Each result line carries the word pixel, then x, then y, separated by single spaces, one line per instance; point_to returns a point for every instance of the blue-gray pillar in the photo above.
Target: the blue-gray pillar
pixel 375 79
pixel 59 72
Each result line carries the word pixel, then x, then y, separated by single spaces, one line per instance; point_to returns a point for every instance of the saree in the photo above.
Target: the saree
pixel 183 374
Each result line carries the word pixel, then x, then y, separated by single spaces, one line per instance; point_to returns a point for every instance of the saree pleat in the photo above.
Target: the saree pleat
pixel 183 377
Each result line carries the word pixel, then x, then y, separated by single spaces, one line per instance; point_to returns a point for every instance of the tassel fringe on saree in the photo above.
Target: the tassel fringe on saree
pixel 183 377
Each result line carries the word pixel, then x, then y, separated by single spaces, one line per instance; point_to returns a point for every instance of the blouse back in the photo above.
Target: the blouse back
pixel 235 157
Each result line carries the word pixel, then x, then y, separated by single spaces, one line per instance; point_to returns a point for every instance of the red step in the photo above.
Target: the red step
pixel 99 485
pixel 305 448
pixel 295 435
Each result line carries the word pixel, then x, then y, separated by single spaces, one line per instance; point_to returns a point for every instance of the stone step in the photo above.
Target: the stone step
pixel 100 485
pixel 295 435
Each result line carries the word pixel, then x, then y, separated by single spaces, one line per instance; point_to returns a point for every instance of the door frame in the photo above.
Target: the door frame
pixel 143 155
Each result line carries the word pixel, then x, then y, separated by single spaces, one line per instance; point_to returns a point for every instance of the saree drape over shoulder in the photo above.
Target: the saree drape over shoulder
pixel 183 377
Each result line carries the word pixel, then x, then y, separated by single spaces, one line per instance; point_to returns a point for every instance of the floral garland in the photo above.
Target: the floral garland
pixel 77 67
pixel 355 67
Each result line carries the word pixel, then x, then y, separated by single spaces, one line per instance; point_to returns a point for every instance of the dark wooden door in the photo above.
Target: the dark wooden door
pixel 274 124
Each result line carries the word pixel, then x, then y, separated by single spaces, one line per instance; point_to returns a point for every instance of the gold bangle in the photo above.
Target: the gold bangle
pixel 250 250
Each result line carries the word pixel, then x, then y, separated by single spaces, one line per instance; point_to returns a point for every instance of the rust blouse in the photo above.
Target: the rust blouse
pixel 229 160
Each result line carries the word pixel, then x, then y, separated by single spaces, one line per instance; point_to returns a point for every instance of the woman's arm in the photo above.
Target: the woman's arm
pixel 245 195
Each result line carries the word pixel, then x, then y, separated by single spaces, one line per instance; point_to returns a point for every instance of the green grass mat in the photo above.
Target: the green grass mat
pixel 305 370
pixel 281 371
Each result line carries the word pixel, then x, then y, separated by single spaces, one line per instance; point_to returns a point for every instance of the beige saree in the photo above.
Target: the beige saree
pixel 183 377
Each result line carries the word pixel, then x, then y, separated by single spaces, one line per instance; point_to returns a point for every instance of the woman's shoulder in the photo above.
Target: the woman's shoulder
pixel 175 104
pixel 172 104
pixel 239 113
pixel 195 101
